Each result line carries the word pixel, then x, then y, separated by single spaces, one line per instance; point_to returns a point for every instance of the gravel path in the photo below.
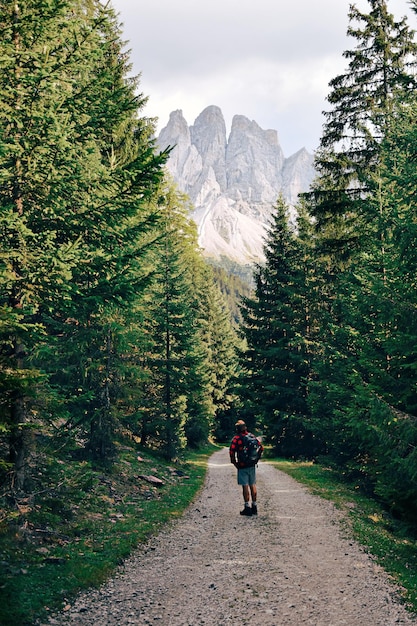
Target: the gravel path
pixel 289 566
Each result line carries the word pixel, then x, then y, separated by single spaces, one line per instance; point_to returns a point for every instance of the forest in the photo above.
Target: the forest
pixel 330 363
pixel 113 325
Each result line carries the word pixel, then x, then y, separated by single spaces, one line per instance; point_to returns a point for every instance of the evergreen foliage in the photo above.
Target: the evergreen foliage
pixel 276 361
pixel 381 73
pixel 112 322
pixel 188 353
pixel 361 393
pixel 88 237
pixel 329 369
pixel 234 284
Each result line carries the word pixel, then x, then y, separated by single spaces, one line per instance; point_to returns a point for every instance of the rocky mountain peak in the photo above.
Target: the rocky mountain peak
pixel 242 124
pixel 208 135
pixel 233 182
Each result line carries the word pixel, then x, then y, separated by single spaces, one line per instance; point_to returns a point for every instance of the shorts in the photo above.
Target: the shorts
pixel 246 476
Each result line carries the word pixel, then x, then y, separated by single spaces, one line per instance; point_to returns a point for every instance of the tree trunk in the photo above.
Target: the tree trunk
pixel 19 440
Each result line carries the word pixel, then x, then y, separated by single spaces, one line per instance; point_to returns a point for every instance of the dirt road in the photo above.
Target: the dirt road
pixel 289 566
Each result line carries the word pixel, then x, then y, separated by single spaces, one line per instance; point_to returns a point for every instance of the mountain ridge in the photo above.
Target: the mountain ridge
pixel 232 181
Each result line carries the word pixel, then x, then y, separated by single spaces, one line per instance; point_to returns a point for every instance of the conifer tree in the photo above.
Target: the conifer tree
pixel 119 224
pixel 275 321
pixel 371 383
pixel 36 264
pixel 174 358
pixel 220 343
pixel 353 214
pixel 76 168
pixel 380 73
pixel 189 358
pixel 393 289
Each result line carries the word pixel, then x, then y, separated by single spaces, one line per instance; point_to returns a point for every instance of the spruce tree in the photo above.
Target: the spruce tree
pixel 118 233
pixel 76 168
pixel 174 359
pixel 36 263
pixel 220 344
pixel 380 73
pixel 275 321
pixel 394 288
pixel 352 215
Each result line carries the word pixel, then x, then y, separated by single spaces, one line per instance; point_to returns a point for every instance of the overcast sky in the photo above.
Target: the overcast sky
pixel 270 60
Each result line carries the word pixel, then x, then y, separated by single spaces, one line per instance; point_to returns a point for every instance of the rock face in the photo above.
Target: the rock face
pixel 232 182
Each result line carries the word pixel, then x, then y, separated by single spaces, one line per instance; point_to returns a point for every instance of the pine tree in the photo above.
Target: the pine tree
pixel 76 168
pixel 353 216
pixel 275 325
pixel 174 360
pixel 220 343
pixel 380 74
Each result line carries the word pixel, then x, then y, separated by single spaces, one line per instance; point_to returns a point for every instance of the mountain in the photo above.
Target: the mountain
pixel 233 182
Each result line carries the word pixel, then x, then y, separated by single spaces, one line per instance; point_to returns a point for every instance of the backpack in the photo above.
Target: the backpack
pixel 250 453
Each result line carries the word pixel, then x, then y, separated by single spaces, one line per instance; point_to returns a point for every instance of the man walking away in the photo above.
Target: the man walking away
pixel 245 452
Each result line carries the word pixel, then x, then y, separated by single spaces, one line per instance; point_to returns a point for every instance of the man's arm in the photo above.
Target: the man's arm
pixel 261 449
pixel 233 451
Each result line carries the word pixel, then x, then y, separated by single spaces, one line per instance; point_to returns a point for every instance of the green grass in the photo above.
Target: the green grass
pixel 391 542
pixel 77 531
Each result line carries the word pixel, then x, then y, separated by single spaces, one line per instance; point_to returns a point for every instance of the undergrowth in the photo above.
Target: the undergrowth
pixel 391 542
pixel 82 522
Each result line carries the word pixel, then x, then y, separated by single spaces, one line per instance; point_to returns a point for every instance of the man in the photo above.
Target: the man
pixel 246 470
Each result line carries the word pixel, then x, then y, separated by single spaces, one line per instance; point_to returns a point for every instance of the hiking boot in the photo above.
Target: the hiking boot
pixel 254 509
pixel 246 511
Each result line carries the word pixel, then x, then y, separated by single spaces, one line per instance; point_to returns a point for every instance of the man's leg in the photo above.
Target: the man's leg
pixel 254 493
pixel 246 497
pixel 245 489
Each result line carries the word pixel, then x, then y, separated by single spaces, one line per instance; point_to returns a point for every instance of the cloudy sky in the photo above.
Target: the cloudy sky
pixel 270 60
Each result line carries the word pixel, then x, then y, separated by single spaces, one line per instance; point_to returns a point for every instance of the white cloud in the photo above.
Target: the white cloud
pixel 270 60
